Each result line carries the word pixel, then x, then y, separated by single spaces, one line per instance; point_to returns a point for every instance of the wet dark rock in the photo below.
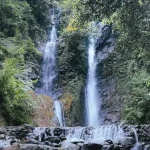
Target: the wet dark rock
pixel 56 145
pixel 48 143
pixel 57 132
pixel 2 136
pixel 146 147
pixel 57 140
pixel 70 146
pixel 33 141
pixel 118 147
pixel 108 145
pixel 48 132
pixel 129 141
pixel 63 138
pixel 140 147
pixel 76 141
pixel 104 32
pixel 94 147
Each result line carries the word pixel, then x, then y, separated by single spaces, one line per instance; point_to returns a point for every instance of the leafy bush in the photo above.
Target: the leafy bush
pixel 15 102
pixel 72 71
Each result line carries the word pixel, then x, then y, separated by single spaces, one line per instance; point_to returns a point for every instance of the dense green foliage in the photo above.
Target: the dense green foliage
pixel 129 63
pixel 23 24
pixel 72 71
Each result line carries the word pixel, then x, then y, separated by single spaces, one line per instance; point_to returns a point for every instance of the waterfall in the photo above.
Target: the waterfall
pixel 75 133
pixel 49 65
pixel 137 140
pixel 49 71
pixel 97 134
pixel 59 112
pixel 92 109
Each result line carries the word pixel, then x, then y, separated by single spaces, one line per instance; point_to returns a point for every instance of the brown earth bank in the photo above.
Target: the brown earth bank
pixel 43 112
pixel 27 137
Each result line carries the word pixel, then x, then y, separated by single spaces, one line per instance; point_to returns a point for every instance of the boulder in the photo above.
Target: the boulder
pixel 13 147
pixel 108 145
pixel 94 146
pixel 70 146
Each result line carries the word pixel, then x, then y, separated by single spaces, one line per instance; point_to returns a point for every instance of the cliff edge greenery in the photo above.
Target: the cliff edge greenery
pixel 23 26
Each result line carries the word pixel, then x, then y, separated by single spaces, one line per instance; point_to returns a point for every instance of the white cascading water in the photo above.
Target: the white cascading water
pixel 49 65
pixel 59 112
pixel 97 134
pixel 137 140
pixel 92 109
pixel 49 71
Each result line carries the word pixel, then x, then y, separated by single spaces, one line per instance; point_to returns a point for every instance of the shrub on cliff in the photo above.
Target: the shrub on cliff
pixel 15 104
pixel 72 71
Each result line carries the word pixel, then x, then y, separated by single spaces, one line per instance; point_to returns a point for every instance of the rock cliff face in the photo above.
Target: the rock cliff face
pixel 72 64
pixel 29 138
pixel 73 67
pixel 110 112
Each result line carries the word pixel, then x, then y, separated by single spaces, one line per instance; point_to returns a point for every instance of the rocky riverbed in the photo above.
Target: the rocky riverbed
pixel 27 137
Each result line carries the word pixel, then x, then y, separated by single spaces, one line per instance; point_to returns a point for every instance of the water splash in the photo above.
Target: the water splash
pixel 97 134
pixel 111 132
pixel 39 132
pixel 137 140
pixel 92 109
pixel 75 133
pixel 59 113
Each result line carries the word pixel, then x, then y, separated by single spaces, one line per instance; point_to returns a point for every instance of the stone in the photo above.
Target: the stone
pixel 13 147
pixel 140 147
pixel 48 143
pixel 2 136
pixel 108 145
pixel 63 138
pixel 80 144
pixel 94 146
pixel 118 147
pixel 76 141
pixel 129 141
pixel 69 146
pixel 57 132
pixel 147 147
pixel 33 141
pixel 57 140
pixel 56 145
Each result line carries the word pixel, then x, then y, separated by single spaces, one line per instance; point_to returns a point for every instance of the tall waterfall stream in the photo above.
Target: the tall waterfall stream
pixel 92 112
pixel 49 72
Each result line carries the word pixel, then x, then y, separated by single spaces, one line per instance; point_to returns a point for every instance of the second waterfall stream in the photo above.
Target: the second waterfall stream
pixel 92 112
pixel 49 72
